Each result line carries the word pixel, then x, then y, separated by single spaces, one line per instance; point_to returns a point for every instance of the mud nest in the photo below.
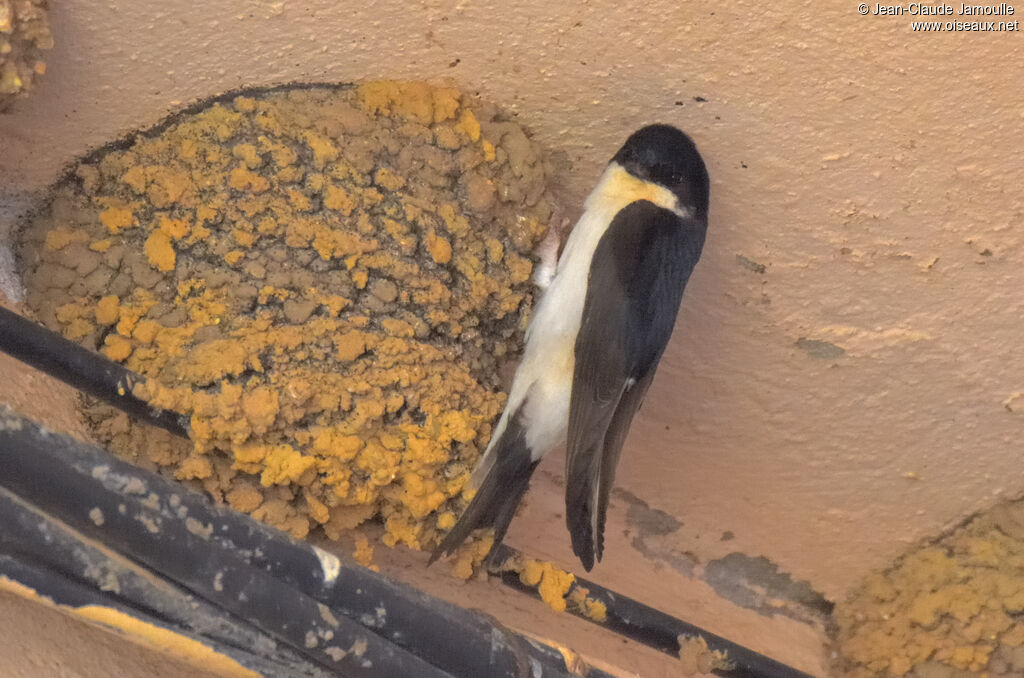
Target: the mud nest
pixel 24 35
pixel 952 609
pixel 328 281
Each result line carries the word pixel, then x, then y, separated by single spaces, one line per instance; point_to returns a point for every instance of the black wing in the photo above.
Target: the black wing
pixel 500 492
pixel 637 277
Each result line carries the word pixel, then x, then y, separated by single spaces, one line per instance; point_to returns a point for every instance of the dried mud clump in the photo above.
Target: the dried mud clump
pixel 948 610
pixel 697 659
pixel 24 35
pixel 555 586
pixel 327 281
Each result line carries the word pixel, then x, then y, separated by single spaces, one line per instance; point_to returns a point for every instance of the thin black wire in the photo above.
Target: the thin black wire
pixel 81 368
pixel 654 628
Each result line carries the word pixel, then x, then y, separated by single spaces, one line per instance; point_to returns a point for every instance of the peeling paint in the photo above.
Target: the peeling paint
pixel 823 350
pixel 862 341
pixel 647 524
pixel 750 264
pixel 757 584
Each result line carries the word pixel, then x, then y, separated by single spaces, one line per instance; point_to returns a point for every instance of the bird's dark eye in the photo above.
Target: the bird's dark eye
pixel 668 174
pixel 671 177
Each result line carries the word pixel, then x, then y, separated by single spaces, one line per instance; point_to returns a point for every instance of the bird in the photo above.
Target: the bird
pixel 606 312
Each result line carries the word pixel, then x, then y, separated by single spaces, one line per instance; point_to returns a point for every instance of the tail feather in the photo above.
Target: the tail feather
pixel 500 492
pixel 591 474
pixel 580 508
pixel 586 503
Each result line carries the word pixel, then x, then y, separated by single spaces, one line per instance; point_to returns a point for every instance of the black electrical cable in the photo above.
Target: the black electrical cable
pixel 137 520
pixel 79 367
pixel 233 562
pixel 654 628
pixel 70 570
pixel 62 591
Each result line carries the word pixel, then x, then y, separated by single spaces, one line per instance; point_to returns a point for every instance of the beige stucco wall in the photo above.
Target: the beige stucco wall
pixel 866 192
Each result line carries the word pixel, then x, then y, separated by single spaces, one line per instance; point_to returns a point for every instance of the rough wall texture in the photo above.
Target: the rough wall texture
pixel 26 624
pixel 846 376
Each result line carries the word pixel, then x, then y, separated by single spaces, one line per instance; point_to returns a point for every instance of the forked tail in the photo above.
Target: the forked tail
pixel 500 492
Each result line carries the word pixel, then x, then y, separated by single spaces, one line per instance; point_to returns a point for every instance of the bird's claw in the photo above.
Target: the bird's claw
pixel 548 253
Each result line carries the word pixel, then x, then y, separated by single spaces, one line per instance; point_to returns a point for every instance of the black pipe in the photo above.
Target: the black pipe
pixel 644 624
pixel 81 368
pixel 72 593
pixel 177 545
pixel 232 561
pixel 65 567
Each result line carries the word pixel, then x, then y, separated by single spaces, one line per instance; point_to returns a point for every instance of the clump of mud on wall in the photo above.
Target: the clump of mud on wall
pixel 24 35
pixel 328 281
pixel 950 609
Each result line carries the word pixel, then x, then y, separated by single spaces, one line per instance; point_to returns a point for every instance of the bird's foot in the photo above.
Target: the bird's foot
pixel 548 253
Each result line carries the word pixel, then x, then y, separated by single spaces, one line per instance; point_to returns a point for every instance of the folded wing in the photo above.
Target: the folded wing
pixel 637 276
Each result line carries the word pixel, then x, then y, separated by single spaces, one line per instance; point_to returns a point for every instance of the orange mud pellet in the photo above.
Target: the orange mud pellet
pixel 555 586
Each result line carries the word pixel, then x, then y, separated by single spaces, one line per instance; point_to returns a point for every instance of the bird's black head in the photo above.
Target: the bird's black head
pixel 666 156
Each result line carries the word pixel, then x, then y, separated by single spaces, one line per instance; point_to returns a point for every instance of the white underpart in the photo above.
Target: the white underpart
pixel 543 378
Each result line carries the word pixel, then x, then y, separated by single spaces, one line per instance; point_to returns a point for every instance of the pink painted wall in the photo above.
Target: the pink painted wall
pixel 847 373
